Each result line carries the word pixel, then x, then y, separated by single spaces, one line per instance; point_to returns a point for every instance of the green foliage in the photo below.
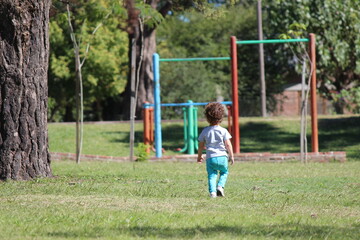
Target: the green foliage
pixel 300 49
pixel 150 16
pixel 336 24
pixel 147 13
pixel 176 38
pixel 296 30
pixel 105 69
pixel 192 34
pixel 350 98
pixel 201 32
pixel 142 152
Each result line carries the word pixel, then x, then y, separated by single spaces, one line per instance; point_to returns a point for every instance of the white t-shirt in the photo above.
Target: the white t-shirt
pixel 214 138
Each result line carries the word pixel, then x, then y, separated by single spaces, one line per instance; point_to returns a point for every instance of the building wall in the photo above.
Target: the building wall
pixel 289 104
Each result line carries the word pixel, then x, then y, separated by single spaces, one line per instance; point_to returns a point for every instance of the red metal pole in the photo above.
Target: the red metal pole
pixel 147 127
pixel 235 101
pixel 151 110
pixel 229 120
pixel 314 117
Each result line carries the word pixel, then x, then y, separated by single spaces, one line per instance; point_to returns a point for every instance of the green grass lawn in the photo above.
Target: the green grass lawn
pixel 107 200
pixel 276 135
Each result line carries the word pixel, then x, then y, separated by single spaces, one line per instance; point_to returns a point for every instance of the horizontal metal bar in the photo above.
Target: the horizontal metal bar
pixel 147 105
pixel 193 59
pixel 272 41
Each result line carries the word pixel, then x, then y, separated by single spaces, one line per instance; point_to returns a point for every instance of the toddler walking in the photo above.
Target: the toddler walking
pixel 218 149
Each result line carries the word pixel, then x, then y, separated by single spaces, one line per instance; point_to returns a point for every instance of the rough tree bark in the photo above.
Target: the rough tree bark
pixel 145 90
pixel 145 44
pixel 24 52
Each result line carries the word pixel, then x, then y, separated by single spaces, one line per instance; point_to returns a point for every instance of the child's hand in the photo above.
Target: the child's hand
pixel 200 159
pixel 231 160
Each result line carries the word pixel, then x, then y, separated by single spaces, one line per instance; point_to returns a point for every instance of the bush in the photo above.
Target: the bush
pixel 142 153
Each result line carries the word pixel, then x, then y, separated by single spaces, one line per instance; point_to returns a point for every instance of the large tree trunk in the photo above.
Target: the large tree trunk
pixel 24 51
pixel 145 48
pixel 145 89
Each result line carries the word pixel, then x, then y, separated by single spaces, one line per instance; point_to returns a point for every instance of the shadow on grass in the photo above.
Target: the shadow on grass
pixel 340 134
pixel 123 137
pixel 264 137
pixel 286 230
pixel 256 137
pixel 173 136
pixel 335 134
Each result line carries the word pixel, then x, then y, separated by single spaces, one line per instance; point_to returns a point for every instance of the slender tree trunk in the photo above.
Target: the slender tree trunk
pixel 133 94
pixel 24 52
pixel 261 61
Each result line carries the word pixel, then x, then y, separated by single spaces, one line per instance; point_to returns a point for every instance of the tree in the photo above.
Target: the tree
pixel 197 81
pixel 146 46
pixel 213 29
pixel 105 71
pixel 24 52
pixel 182 81
pixel 336 24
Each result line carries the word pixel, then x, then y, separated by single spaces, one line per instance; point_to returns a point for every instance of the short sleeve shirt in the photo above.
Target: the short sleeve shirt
pixel 214 138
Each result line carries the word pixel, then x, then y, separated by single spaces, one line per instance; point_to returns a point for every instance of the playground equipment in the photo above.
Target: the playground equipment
pixel 190 123
pixel 190 129
pixel 312 55
pixel 157 102
pixel 234 82
pixel 148 119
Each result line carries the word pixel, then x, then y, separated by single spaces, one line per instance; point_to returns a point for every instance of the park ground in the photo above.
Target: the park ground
pixel 169 200
pixel 272 134
pixel 163 200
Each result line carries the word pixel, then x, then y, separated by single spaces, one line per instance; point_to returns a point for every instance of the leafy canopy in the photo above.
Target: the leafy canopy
pixel 105 69
pixel 336 24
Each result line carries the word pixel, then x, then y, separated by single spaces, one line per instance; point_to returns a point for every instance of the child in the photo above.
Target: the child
pixel 218 146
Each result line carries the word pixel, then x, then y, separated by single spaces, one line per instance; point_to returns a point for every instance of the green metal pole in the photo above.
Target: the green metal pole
pixel 272 41
pixel 194 59
pixel 191 149
pixel 196 133
pixel 185 131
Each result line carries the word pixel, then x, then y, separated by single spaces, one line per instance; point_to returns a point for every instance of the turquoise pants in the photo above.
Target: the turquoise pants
pixel 214 166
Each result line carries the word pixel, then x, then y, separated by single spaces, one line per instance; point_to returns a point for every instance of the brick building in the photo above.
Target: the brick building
pixel 289 102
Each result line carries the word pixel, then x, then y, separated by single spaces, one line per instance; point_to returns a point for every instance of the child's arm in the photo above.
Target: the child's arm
pixel 229 148
pixel 200 158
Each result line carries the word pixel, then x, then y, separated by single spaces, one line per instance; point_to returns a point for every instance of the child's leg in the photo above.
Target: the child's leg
pixel 224 172
pixel 212 175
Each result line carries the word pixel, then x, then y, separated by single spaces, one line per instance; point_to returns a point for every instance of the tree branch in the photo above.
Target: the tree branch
pixel 72 34
pixel 166 8
pixel 92 36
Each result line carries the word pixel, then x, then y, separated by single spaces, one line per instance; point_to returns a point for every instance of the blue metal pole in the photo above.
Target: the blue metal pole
pixel 146 105
pixel 157 108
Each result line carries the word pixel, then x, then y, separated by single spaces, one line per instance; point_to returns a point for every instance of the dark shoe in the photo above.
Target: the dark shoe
pixel 220 191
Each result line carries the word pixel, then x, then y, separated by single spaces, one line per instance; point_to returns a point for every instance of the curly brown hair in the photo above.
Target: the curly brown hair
pixel 214 113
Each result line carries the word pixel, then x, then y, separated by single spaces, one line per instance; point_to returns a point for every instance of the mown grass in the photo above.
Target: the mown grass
pixel 104 200
pixel 109 139
pixel 339 133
